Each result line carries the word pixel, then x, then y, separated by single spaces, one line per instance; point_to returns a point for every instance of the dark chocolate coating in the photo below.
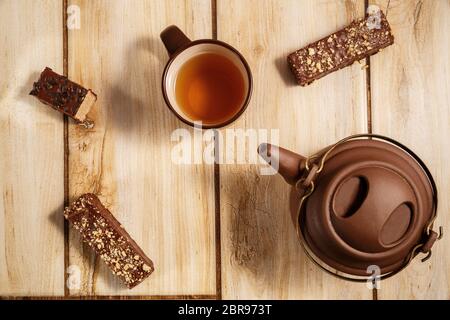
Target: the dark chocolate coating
pixel 59 92
pixel 341 49
pixel 107 237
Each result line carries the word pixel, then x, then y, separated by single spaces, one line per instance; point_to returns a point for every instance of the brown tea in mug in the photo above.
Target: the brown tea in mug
pixel 210 88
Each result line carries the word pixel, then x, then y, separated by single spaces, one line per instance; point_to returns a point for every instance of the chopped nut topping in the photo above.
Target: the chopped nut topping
pixel 341 49
pixel 104 234
pixel 146 267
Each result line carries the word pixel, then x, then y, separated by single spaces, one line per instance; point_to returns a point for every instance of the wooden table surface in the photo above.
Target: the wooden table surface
pixel 213 231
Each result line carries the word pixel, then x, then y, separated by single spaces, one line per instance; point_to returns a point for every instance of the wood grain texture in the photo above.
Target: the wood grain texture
pixel 123 297
pixel 169 209
pixel 31 152
pixel 260 254
pixel 126 159
pixel 410 102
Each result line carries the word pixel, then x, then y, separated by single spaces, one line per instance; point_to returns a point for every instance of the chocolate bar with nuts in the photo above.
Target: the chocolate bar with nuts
pixel 360 39
pixel 63 95
pixel 107 237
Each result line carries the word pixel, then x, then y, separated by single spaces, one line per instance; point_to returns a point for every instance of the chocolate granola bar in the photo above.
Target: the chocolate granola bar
pixel 107 237
pixel 63 95
pixel 362 38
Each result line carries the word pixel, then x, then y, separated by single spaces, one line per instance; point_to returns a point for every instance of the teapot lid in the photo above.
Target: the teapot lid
pixel 373 204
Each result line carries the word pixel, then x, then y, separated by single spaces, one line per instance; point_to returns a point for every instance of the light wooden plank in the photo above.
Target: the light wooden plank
pixel 126 159
pixel 31 152
pixel 260 254
pixel 410 102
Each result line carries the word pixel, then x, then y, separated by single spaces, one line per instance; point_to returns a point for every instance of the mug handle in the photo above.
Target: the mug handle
pixel 174 39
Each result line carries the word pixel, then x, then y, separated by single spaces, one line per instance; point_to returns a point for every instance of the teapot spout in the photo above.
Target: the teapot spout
pixel 288 164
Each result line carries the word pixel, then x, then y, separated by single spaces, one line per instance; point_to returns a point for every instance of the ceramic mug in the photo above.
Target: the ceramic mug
pixel 181 49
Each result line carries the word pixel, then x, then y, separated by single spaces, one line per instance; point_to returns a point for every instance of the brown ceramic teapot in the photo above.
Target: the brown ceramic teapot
pixel 364 201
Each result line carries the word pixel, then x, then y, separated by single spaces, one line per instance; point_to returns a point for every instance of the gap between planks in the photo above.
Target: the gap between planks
pixel 66 192
pixel 66 146
pixel 217 180
pixel 368 91
pixel 369 117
